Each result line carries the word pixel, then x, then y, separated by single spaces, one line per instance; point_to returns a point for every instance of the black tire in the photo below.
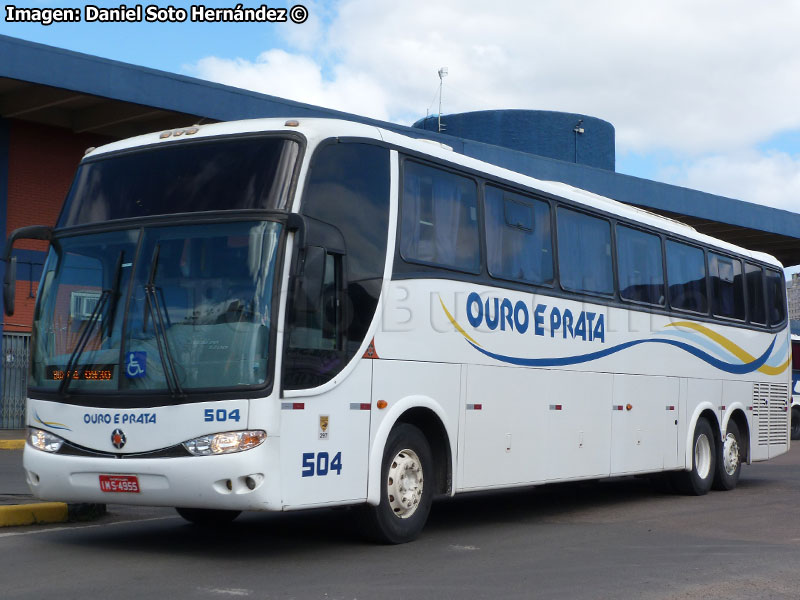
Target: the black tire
pixel 397 520
pixel 796 423
pixel 697 482
pixel 729 459
pixel 208 516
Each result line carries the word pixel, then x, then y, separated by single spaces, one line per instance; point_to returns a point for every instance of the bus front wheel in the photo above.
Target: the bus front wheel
pixel 729 459
pixel 407 486
pixel 208 516
pixel 697 482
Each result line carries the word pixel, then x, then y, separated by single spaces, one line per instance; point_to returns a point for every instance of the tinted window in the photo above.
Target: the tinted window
pixel 518 240
pixel 347 191
pixel 755 294
pixel 727 286
pixel 584 252
pixel 439 218
pixel 641 272
pixel 686 275
pixel 252 173
pixel 776 297
pixel 194 311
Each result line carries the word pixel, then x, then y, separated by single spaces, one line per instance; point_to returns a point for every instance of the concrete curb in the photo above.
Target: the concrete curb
pixel 29 514
pixel 12 444
pixel 13 515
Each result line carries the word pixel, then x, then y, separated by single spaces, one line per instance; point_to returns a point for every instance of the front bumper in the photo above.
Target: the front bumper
pixel 219 482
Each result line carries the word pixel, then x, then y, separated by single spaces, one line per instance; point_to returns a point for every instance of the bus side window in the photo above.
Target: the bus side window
pixel 641 272
pixel 439 218
pixel 348 192
pixel 776 297
pixel 519 245
pixel 727 289
pixel 686 276
pixel 755 294
pixel 584 252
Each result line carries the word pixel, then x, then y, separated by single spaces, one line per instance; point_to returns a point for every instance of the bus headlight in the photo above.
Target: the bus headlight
pixel 225 443
pixel 44 440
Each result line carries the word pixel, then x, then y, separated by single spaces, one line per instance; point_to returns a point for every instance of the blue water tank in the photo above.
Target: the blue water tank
pixel 564 136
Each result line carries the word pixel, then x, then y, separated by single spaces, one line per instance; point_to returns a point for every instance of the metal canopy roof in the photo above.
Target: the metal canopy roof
pixel 83 113
pixel 84 93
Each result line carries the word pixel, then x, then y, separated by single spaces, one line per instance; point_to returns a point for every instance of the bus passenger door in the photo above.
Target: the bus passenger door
pixel 324 442
pixel 644 433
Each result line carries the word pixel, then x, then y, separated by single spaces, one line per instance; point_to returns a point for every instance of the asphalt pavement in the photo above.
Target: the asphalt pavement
pixel 12 475
pixel 17 504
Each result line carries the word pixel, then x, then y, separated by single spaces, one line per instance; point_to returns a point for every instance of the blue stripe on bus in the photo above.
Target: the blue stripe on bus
pixel 738 369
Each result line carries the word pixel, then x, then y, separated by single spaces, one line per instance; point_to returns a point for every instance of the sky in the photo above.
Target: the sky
pixel 703 94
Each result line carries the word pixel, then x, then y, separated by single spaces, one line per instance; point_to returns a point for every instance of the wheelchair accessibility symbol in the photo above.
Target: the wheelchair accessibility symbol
pixel 136 364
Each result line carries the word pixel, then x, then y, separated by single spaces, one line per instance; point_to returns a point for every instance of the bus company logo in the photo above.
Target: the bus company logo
pixel 693 338
pixel 505 315
pixel 118 438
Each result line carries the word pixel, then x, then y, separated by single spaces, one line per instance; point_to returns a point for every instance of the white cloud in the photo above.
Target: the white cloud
pixel 772 179
pixel 300 78
pixel 678 74
pixel 703 81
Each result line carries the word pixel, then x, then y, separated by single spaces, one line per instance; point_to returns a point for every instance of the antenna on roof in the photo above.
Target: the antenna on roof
pixel 442 75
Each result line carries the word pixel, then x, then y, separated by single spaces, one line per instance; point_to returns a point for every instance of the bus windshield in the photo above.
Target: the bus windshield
pixel 164 308
pixel 252 173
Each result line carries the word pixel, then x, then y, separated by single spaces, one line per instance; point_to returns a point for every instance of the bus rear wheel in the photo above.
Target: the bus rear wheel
pixel 729 459
pixel 208 516
pixel 796 423
pixel 407 486
pixel 698 480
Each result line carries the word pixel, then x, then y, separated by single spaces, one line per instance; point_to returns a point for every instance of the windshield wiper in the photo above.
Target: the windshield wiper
pixel 77 352
pixel 153 307
pixel 114 298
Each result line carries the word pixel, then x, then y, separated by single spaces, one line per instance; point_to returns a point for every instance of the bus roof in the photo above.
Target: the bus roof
pixel 317 129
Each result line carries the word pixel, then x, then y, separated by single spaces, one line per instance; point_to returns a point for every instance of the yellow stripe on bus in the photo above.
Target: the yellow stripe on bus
pixel 456 325
pixel 737 351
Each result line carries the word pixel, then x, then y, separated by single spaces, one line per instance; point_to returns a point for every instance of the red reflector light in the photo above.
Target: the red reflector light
pixel 298 405
pixel 479 407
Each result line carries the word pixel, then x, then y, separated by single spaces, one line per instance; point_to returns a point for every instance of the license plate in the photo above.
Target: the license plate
pixel 119 483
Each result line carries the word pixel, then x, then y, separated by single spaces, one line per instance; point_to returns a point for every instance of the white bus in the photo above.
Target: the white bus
pixel 795 393
pixel 275 315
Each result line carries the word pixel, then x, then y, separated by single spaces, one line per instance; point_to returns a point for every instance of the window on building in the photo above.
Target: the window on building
pixel 686 275
pixel 519 244
pixel 641 270
pixel 727 286
pixel 439 218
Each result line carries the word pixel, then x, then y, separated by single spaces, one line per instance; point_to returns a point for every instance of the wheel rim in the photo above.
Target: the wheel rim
pixel 730 454
pixel 702 456
pixel 404 483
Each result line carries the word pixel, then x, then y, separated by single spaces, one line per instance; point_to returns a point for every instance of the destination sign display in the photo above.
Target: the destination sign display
pixel 81 373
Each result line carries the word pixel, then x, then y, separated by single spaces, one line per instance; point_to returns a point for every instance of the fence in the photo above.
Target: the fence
pixel 14 377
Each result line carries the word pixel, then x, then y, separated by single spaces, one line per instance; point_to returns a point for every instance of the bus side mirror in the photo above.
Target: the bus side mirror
pixel 32 232
pixel 9 286
pixel 308 293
